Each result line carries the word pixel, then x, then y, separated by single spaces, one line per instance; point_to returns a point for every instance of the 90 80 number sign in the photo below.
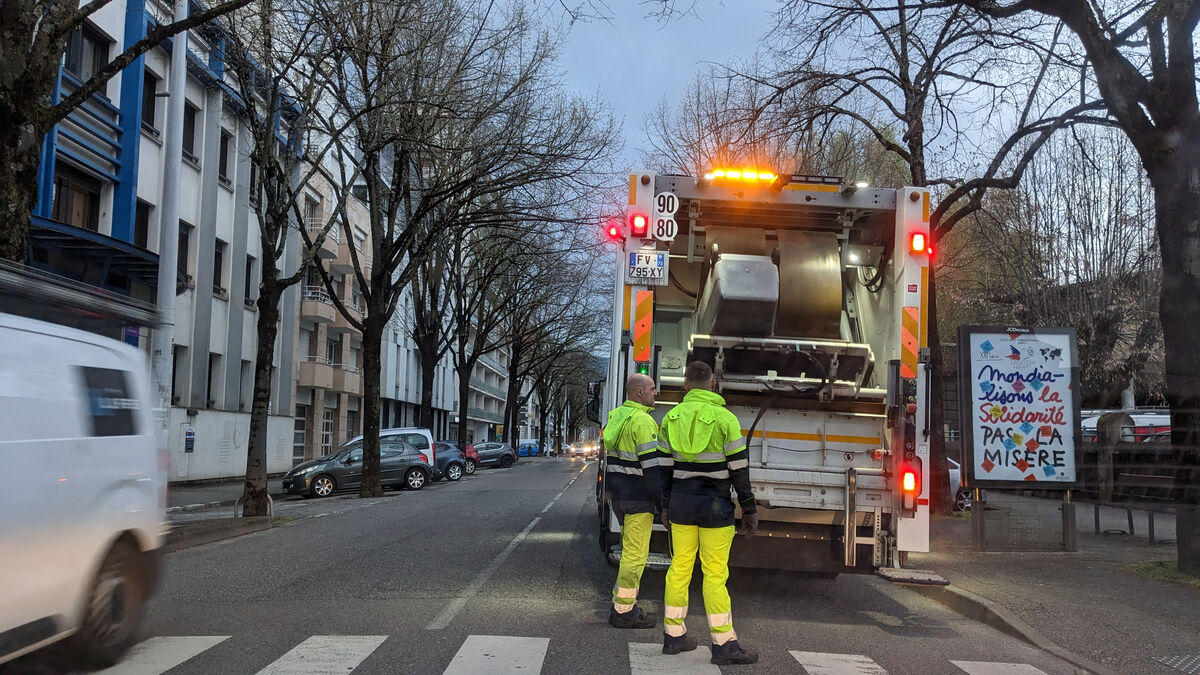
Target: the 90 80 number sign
pixel 665 205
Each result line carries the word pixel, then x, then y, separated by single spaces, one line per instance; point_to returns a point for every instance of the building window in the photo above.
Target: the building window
pixel 312 210
pixel 185 262
pixel 141 225
pixel 189 131
pixel 178 366
pixel 150 102
pixel 251 281
pixel 219 268
pixel 223 167
pixel 76 198
pixel 254 188
pixel 214 379
pixel 87 53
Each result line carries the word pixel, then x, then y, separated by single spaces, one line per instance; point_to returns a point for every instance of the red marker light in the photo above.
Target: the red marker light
pixel 638 225
pixel 614 232
pixel 919 244
pixel 909 481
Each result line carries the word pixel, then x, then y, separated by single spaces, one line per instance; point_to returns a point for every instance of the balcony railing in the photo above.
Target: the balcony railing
pixel 317 294
pixel 347 367
pixel 312 358
pixel 316 225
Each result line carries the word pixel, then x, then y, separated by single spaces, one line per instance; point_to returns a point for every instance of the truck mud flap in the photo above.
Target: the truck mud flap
pixel 913 577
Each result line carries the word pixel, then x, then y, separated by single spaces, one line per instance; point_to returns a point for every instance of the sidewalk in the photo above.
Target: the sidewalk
pixel 1091 602
pixel 214 494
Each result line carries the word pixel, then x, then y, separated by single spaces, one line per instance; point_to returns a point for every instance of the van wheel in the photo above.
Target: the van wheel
pixel 506 461
pixel 454 472
pixel 962 501
pixel 323 485
pixel 470 467
pixel 414 479
pixel 115 604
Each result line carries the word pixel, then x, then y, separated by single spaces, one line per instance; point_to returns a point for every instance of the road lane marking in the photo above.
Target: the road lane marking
pixel 160 654
pixel 325 654
pixel 498 654
pixel 816 663
pixel 455 606
pixel 986 668
pixel 646 658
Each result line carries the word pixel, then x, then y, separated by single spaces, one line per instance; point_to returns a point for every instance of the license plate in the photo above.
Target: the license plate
pixel 647 268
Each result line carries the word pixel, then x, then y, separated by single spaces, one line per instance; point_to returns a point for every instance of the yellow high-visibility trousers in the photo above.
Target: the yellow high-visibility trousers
pixel 713 544
pixel 635 547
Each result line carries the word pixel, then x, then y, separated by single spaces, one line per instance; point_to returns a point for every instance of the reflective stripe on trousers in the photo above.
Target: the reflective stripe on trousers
pixel 635 546
pixel 713 544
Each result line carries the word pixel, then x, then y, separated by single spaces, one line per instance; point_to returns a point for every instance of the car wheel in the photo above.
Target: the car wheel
pixel 962 501
pixel 415 479
pixel 454 472
pixel 506 461
pixel 114 607
pixel 469 467
pixel 323 485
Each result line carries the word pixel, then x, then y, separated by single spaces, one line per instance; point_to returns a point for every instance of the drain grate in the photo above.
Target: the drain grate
pixel 1188 663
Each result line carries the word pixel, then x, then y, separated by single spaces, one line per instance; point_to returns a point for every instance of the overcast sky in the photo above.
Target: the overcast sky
pixel 633 61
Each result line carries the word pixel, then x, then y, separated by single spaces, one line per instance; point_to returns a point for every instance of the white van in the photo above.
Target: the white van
pixel 419 438
pixel 84 502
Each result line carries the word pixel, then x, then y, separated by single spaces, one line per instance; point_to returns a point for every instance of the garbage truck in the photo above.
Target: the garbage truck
pixel 808 298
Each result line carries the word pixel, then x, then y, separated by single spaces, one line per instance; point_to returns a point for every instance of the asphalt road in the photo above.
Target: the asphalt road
pixel 501 573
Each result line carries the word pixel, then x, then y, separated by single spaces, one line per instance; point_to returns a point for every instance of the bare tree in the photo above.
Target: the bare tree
pixel 1073 245
pixel 271 48
pixel 459 110
pixel 33 37
pixel 1141 58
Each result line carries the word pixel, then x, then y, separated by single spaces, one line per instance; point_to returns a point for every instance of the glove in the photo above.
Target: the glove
pixel 666 520
pixel 749 524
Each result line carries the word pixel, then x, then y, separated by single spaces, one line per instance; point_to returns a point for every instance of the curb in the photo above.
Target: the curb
pixel 188 508
pixel 214 530
pixel 997 616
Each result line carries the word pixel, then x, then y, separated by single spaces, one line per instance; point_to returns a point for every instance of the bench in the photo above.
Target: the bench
pixel 1133 486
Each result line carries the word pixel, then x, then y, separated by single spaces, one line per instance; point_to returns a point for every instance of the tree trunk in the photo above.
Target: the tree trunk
pixel 428 369
pixel 511 395
pixel 1175 186
pixel 941 502
pixel 254 492
pixel 543 415
pixel 464 395
pixel 20 159
pixel 373 325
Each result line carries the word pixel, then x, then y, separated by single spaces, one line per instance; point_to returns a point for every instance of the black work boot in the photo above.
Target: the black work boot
pixel 674 645
pixel 732 654
pixel 634 618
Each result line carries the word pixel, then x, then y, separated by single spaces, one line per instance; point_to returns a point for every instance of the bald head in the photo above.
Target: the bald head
pixel 640 388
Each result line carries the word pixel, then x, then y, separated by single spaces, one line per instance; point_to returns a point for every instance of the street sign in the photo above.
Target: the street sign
pixel 1020 406
pixel 665 205
pixel 647 267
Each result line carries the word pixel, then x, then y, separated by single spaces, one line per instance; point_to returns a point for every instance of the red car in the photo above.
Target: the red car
pixel 470 456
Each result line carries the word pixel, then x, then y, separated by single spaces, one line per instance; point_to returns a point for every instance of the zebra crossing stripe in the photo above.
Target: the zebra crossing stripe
pixel 985 668
pixel 160 654
pixel 816 663
pixel 498 654
pixel 325 654
pixel 646 658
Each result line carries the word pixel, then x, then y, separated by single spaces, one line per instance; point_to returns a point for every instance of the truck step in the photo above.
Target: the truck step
pixel 915 577
pixel 655 561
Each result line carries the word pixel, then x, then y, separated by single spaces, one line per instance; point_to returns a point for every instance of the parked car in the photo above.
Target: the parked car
pixel 400 465
pixel 450 462
pixel 1146 424
pixel 470 456
pixel 496 454
pixel 529 449
pixel 85 508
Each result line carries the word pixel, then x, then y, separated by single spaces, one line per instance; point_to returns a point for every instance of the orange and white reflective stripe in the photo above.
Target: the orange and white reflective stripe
pixel 670 612
pixel 643 317
pixel 910 333
pixel 720 620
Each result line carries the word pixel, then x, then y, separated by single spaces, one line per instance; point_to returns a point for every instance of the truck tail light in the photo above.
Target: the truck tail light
pixel 910 480
pixel 910 485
